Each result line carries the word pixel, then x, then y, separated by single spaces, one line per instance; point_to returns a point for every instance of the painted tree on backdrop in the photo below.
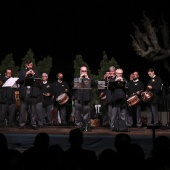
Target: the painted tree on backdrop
pixel 42 66
pixel 78 62
pixel 8 62
pixel 105 64
pixel 153 43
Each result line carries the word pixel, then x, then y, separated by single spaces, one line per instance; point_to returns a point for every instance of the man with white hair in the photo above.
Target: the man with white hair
pixel 116 100
pixel 44 105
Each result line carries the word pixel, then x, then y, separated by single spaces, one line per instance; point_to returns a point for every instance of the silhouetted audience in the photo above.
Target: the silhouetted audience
pixel 136 153
pixel 125 155
pixel 54 158
pixel 160 158
pixel 122 142
pixel 8 157
pixel 76 156
pixel 35 156
pixel 107 158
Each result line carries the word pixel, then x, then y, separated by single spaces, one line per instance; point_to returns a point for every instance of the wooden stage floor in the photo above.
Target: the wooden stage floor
pixel 64 130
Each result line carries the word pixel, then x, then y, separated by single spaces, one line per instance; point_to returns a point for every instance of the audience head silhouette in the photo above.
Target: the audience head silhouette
pixel 122 141
pixel 76 137
pixel 3 143
pixel 41 140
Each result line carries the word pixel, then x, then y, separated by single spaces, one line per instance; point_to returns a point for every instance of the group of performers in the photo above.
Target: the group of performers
pixel 126 99
pixel 120 98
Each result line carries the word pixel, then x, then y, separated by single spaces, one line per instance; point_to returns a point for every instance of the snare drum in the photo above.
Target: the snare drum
pixel 146 96
pixel 63 98
pixel 131 101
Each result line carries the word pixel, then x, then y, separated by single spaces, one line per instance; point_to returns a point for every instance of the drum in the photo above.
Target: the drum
pixel 131 101
pixel 146 96
pixel 62 99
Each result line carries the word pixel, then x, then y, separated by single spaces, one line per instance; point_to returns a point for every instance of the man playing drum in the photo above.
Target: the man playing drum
pixel 60 91
pixel 154 85
pixel 135 87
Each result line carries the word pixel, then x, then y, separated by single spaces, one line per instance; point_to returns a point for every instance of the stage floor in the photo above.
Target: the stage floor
pixel 97 139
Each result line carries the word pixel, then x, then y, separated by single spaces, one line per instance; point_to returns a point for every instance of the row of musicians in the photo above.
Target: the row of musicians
pixel 35 103
pixel 38 105
pixel 131 94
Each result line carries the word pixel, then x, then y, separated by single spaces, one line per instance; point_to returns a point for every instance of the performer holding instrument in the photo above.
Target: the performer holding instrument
pixel 102 95
pixel 60 91
pixel 28 95
pixel 44 103
pixel 135 87
pixel 116 98
pixel 154 86
pixel 7 101
pixel 82 95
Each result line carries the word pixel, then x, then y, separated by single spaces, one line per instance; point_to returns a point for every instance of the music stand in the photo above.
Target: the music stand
pixel 35 82
pixel 82 83
pixel 101 84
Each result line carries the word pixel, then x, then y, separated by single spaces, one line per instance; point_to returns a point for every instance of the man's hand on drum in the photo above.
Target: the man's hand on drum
pixel 138 92
pixel 149 87
pixel 46 94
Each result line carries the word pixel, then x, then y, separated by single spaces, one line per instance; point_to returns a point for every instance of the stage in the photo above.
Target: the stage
pixel 97 139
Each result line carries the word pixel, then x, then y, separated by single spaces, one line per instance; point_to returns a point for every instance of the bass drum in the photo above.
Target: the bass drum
pixel 133 100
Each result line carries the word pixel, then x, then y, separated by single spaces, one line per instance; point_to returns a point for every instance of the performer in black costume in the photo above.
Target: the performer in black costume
pixel 154 85
pixel 44 103
pixel 7 101
pixel 110 74
pixel 117 99
pixel 58 88
pixel 135 87
pixel 28 95
pixel 82 99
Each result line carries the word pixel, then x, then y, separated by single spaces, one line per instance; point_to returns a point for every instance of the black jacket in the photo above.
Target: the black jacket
pixel 35 91
pixel 7 94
